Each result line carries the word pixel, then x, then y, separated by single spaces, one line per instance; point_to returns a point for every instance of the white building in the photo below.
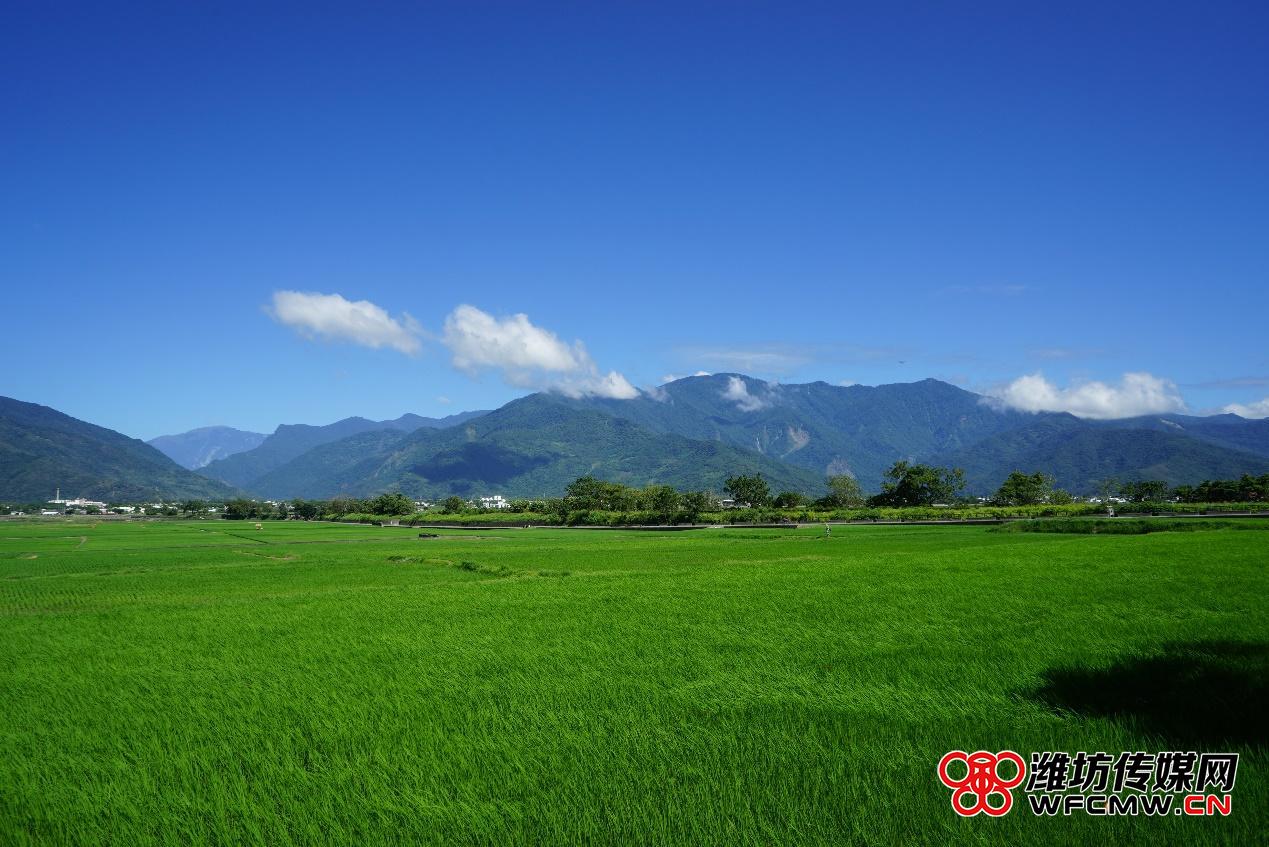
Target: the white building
pixel 494 502
pixel 77 503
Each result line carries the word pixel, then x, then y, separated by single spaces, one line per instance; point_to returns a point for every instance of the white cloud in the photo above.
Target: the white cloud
pixel 738 392
pixel 656 392
pixel 677 377
pixel 443 400
pixel 1259 409
pixel 330 317
pixel 611 384
pixel 477 340
pixel 527 356
pixel 1136 394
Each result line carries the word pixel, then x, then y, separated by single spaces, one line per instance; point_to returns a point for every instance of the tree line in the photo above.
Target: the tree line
pixel 906 484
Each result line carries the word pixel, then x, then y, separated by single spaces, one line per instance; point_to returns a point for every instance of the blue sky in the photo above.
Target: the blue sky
pixel 864 194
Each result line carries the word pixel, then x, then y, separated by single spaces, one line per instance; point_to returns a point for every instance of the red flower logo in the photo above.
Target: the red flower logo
pixel 981 780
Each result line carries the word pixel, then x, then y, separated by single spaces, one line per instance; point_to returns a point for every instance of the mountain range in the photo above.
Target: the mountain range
pixel 200 447
pixel 42 449
pixel 289 441
pixel 862 430
pixel 691 433
pixel 531 447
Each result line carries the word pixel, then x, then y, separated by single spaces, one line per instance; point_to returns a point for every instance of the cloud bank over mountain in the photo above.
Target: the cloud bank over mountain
pixel 738 392
pixel 1258 409
pixel 1136 394
pixel 526 355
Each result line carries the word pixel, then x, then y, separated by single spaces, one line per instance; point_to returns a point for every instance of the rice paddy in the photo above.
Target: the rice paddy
pixel 208 682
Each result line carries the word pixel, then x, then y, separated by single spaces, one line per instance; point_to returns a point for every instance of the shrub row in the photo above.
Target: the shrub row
pixel 594 517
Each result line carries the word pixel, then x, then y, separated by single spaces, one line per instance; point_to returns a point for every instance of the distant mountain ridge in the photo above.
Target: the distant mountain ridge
pixel 816 429
pixel 531 447
pixel 1250 435
pixel 858 430
pixel 200 447
pixel 1080 454
pixel 692 433
pixel 289 441
pixel 862 430
pixel 42 449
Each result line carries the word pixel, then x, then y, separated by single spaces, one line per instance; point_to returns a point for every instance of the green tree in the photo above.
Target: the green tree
pixel 919 485
pixel 239 509
pixel 193 507
pixel 622 498
pixel 344 506
pixel 1144 491
pixel 586 492
pixel 557 507
pixel 306 509
pixel 748 490
pixel 1253 488
pixel 394 503
pixel 661 500
pixel 696 502
pixel 1021 489
pixel 453 505
pixel 844 492
pixel 1185 493
pixel 790 500
pixel 1247 489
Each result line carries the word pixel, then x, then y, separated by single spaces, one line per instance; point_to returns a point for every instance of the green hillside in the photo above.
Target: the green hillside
pixel 829 429
pixel 862 430
pixel 530 447
pixel 1080 455
pixel 1248 436
pixel 289 441
pixel 692 433
pixel 42 449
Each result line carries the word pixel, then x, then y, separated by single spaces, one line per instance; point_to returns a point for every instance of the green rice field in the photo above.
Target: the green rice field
pixel 207 682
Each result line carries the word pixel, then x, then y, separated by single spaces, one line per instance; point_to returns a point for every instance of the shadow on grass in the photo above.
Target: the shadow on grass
pixel 1192 693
